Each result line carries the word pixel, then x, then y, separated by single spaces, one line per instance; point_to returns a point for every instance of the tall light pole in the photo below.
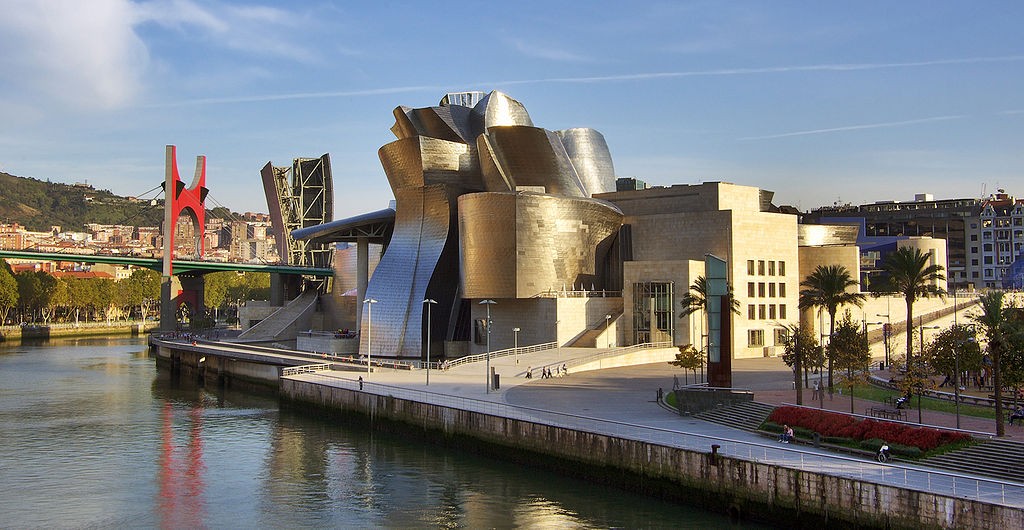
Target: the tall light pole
pixel 885 334
pixel 607 337
pixel 369 332
pixel 515 343
pixel 866 324
pixel 488 303
pixel 429 302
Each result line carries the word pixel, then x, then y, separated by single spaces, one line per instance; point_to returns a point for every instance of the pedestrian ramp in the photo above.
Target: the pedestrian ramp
pixel 747 415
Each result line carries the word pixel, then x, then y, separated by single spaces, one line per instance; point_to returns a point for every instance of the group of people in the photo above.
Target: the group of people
pixel 545 372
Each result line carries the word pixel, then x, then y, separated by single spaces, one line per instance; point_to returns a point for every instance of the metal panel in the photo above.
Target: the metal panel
pixel 589 154
pixel 531 156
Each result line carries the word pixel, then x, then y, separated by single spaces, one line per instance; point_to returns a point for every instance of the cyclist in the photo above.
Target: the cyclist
pixel 883 453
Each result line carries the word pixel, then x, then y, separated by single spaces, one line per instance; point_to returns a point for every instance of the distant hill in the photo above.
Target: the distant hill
pixel 37 205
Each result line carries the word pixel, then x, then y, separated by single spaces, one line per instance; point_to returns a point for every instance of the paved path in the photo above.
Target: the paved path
pixel 621 402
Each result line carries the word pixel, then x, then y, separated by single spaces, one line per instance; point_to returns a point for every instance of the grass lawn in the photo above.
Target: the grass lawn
pixel 875 393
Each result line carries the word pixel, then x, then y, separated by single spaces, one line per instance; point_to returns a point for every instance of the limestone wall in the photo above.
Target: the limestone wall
pixel 783 495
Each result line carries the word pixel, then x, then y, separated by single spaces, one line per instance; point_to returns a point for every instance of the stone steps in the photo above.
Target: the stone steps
pixel 999 459
pixel 747 416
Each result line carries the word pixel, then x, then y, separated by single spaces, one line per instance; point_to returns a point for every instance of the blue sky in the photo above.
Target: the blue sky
pixel 818 101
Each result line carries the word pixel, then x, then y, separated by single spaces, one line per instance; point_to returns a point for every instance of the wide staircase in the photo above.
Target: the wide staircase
pixel 748 415
pixel 999 459
pixel 294 315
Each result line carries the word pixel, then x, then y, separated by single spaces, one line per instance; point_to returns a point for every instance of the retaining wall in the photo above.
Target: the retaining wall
pixel 770 492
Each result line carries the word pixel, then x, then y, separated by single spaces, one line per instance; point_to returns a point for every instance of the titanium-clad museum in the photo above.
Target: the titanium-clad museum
pixel 491 208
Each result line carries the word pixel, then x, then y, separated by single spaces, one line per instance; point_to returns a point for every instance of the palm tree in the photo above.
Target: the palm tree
pixel 910 275
pixel 827 288
pixel 993 320
pixel 696 299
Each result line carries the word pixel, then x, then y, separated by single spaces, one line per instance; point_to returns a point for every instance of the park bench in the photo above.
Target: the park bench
pixel 886 413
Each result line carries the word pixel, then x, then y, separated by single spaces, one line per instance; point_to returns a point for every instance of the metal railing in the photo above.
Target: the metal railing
pixel 615 352
pixel 306 369
pixel 477 357
pixel 897 475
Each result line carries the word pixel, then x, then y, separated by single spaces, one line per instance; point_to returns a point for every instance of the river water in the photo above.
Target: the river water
pixel 93 436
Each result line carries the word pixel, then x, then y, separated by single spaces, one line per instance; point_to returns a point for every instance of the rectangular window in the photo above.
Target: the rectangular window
pixel 760 289
pixel 771 311
pixel 987 247
pixel 782 311
pixel 771 290
pixel 974 262
pixel 782 268
pixel 782 290
pixel 761 312
pixel 974 237
pixel 755 337
pixel 974 250
pixel 781 334
pixel 988 260
pixel 750 267
pixel 760 267
pixel 751 312
pixel 750 289
pixel 771 268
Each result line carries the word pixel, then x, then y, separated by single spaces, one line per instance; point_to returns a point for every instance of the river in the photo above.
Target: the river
pixel 93 436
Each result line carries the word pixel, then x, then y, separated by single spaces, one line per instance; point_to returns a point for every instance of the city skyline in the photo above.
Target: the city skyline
pixel 871 101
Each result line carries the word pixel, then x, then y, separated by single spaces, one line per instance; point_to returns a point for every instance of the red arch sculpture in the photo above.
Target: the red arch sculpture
pixel 184 200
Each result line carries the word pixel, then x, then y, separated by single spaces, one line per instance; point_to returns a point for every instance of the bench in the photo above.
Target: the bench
pixel 886 413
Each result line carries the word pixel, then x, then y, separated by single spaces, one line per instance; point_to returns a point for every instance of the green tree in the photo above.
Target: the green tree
pixel 909 274
pixel 800 349
pixel 689 358
pixel 850 353
pixel 696 299
pixel 827 288
pixel 998 329
pixel 954 347
pixel 8 292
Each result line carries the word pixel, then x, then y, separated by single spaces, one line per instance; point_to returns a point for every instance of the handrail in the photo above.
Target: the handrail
pixel 477 357
pixel 306 369
pixel 614 352
pixel 942 482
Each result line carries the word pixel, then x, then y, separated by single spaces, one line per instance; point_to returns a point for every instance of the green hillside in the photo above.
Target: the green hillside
pixel 37 205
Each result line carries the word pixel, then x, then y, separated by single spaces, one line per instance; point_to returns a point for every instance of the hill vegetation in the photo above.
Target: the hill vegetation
pixel 37 205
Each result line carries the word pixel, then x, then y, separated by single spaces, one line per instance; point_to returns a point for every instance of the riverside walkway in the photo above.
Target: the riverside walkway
pixel 621 402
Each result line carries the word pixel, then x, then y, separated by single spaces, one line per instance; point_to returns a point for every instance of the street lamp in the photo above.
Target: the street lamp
pixel 515 342
pixel 429 302
pixel 488 303
pixel 866 324
pixel 607 337
pixel 369 332
pixel 885 334
pixel 956 368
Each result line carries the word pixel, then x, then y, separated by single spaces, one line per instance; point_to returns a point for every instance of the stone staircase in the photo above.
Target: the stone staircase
pixel 1000 459
pixel 748 415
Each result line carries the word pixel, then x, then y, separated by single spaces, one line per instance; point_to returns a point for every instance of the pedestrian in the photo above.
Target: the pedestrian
pixel 529 372
pixel 565 371
pixel 675 382
pixel 816 391
pixel 360 382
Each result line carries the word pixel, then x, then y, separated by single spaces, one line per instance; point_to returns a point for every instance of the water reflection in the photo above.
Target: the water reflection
pixel 92 423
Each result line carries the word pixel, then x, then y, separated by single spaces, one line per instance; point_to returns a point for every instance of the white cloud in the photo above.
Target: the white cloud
pixel 547 52
pixel 82 54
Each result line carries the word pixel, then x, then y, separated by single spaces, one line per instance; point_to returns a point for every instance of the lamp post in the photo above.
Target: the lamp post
pixel 369 332
pixel 488 303
pixel 866 324
pixel 956 369
pixel 607 337
pixel 428 302
pixel 885 334
pixel 515 343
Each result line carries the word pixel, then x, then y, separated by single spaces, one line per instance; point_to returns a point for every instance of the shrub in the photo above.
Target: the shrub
pixel 832 424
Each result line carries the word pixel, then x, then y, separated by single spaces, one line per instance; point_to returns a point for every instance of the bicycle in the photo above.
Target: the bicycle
pixel 883 455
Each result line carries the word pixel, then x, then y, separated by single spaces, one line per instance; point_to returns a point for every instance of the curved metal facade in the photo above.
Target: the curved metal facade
pixel 461 231
pixel 518 245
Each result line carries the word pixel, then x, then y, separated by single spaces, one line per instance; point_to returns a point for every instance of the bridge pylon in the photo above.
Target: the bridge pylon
pixel 179 201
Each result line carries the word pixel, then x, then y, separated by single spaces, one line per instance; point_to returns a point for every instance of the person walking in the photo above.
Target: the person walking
pixel 816 393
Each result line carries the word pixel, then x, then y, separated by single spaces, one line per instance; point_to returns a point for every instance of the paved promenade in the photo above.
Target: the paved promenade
pixel 621 402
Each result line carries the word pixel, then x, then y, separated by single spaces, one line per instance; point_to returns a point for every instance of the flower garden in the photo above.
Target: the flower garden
pixel 906 440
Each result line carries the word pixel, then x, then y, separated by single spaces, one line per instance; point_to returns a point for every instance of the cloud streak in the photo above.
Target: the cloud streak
pixel 842 67
pixel 881 125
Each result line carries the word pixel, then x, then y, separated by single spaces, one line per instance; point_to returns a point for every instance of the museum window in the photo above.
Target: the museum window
pixel 761 312
pixel 751 312
pixel 782 311
pixel 782 268
pixel 771 311
pixel 755 337
pixel 750 289
pixel 750 267
pixel 760 267
pixel 760 289
pixel 653 319
pixel 771 268
pixel 771 290
pixel 782 290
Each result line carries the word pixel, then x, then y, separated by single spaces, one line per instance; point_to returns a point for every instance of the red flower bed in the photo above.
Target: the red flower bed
pixel 844 426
